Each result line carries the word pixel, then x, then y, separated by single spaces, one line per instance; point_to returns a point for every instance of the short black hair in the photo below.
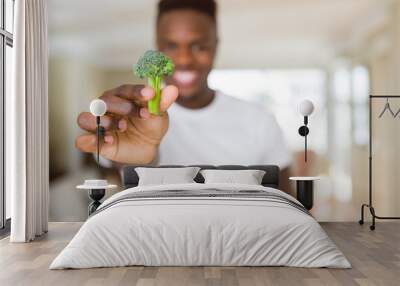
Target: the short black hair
pixel 208 7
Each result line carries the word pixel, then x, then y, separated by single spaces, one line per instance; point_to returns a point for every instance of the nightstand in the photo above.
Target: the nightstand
pixel 305 190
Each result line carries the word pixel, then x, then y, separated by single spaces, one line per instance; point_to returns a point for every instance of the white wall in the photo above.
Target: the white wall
pixel 343 35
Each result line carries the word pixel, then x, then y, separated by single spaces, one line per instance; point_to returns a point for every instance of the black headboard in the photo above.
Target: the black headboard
pixel 271 178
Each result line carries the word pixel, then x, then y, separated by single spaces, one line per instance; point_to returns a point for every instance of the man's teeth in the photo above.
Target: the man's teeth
pixel 185 77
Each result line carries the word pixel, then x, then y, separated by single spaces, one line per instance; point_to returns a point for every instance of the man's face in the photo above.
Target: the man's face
pixel 189 39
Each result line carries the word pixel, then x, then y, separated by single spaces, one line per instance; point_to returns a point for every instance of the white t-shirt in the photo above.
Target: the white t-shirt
pixel 227 131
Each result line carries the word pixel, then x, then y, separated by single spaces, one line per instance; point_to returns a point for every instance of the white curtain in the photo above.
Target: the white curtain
pixel 27 123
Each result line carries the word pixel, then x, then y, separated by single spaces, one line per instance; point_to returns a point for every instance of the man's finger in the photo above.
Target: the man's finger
pixel 118 105
pixel 88 143
pixel 139 94
pixel 169 95
pixel 87 122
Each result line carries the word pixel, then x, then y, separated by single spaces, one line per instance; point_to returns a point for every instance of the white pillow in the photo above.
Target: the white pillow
pixel 163 176
pixel 248 177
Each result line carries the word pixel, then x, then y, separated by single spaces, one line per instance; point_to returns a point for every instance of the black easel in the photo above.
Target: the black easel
pixel 370 205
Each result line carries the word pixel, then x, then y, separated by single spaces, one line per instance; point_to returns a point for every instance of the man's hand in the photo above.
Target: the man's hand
pixel 132 133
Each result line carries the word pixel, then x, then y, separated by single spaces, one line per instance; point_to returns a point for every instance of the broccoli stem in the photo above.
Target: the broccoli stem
pixel 154 105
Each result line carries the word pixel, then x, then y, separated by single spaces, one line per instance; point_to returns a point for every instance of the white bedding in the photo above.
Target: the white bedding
pixel 200 231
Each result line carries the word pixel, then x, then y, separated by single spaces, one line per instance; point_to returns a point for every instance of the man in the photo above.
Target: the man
pixel 205 126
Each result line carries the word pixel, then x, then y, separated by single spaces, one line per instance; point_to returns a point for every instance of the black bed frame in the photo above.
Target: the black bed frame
pixel 271 178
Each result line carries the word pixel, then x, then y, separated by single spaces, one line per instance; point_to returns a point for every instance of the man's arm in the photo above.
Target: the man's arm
pixel 284 183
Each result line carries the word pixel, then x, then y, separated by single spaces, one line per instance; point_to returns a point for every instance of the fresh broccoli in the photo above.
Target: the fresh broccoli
pixel 154 66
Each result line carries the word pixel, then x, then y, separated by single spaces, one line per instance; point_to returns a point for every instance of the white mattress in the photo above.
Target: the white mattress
pixel 200 231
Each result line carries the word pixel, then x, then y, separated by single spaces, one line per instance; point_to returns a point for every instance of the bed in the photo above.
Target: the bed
pixel 198 224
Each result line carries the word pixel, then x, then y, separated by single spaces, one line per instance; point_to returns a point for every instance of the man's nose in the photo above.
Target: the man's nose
pixel 184 58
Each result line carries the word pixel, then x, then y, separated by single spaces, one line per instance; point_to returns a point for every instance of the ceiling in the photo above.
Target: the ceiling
pixel 253 33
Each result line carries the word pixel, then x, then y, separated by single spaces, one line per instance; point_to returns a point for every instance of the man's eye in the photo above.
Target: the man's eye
pixel 170 47
pixel 198 48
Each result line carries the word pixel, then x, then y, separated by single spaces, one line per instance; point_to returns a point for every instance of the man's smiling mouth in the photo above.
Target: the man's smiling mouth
pixel 185 78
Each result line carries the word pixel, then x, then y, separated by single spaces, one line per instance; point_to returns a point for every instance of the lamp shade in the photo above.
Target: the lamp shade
pixel 98 107
pixel 306 107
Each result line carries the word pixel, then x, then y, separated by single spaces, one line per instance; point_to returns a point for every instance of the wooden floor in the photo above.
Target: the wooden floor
pixel 375 257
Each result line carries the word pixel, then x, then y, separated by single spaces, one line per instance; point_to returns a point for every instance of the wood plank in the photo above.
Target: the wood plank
pixel 375 257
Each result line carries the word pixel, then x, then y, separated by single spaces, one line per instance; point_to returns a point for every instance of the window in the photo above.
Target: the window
pixel 360 104
pixel 280 91
pixel 341 131
pixel 6 44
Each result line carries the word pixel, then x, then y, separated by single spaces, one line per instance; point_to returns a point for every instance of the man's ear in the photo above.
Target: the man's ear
pixel 216 47
pixel 156 41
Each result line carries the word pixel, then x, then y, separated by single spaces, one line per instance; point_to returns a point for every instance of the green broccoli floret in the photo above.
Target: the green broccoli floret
pixel 154 66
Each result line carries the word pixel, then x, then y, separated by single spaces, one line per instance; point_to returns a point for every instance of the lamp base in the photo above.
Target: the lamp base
pixel 96 195
pixel 305 193
pixel 304 131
